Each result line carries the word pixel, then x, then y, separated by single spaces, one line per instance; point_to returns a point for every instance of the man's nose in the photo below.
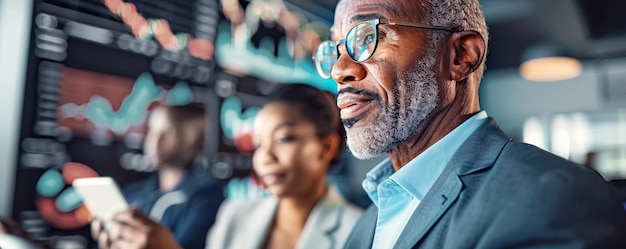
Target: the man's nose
pixel 345 69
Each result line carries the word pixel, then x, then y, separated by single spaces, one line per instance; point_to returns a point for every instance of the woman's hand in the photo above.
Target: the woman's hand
pixel 99 234
pixel 133 230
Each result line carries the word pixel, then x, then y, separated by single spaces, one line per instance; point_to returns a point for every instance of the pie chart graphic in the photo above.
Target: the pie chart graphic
pixel 57 202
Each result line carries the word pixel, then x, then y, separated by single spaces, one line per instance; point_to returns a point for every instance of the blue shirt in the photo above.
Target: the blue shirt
pixel 397 194
pixel 188 211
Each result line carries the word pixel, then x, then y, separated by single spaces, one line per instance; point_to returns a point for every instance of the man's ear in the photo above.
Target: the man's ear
pixel 467 51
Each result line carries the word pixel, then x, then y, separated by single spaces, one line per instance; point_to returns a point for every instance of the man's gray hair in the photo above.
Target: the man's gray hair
pixel 463 14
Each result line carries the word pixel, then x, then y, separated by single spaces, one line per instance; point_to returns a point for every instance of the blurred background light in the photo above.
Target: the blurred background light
pixel 549 62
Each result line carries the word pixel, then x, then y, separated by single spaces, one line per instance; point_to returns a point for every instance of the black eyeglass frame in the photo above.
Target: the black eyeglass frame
pixel 374 23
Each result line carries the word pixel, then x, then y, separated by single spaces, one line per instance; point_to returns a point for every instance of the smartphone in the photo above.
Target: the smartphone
pixel 101 195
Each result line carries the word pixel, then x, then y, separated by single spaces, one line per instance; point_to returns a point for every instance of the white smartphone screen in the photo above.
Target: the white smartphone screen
pixel 101 195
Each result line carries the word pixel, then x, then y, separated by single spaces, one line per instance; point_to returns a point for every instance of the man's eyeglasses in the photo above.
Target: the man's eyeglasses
pixel 360 42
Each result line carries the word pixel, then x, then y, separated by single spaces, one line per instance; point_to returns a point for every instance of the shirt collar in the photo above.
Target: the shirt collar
pixel 375 176
pixel 419 174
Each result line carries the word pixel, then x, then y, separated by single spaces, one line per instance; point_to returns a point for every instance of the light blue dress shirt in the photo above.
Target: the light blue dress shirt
pixel 397 194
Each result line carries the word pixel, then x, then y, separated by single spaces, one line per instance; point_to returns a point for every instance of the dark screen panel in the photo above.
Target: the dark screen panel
pixel 90 86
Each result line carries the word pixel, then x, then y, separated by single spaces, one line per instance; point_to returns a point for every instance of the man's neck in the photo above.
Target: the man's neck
pixel 441 121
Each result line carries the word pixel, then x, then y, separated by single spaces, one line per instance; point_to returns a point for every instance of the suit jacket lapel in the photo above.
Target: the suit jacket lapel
pixel 441 196
pixel 323 222
pixel 478 152
pixel 362 236
pixel 258 223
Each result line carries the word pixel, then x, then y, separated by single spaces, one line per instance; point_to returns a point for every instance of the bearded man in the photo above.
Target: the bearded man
pixel 408 74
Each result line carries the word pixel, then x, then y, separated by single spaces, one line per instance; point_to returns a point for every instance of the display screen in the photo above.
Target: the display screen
pixel 259 44
pixel 97 68
pixel 92 80
pixel 112 107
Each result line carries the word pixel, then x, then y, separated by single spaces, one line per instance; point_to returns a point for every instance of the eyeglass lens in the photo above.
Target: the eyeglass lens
pixel 361 41
pixel 360 44
pixel 325 57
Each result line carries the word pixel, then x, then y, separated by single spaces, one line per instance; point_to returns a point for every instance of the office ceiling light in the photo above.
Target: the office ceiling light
pixel 548 62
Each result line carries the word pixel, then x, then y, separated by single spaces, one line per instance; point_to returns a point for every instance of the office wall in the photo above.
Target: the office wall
pixel 510 99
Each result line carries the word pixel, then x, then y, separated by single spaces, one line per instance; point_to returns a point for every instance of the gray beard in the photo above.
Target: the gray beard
pixel 416 93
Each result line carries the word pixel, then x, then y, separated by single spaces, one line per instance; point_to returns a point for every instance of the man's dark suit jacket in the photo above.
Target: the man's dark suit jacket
pixel 498 193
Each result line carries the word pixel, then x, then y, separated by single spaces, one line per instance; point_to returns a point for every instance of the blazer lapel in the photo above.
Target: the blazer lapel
pixel 362 235
pixel 478 152
pixel 258 222
pixel 323 222
pixel 441 196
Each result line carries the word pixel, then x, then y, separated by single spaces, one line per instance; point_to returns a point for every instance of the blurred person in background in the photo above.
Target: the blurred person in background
pixel 408 74
pixel 298 138
pixel 178 196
